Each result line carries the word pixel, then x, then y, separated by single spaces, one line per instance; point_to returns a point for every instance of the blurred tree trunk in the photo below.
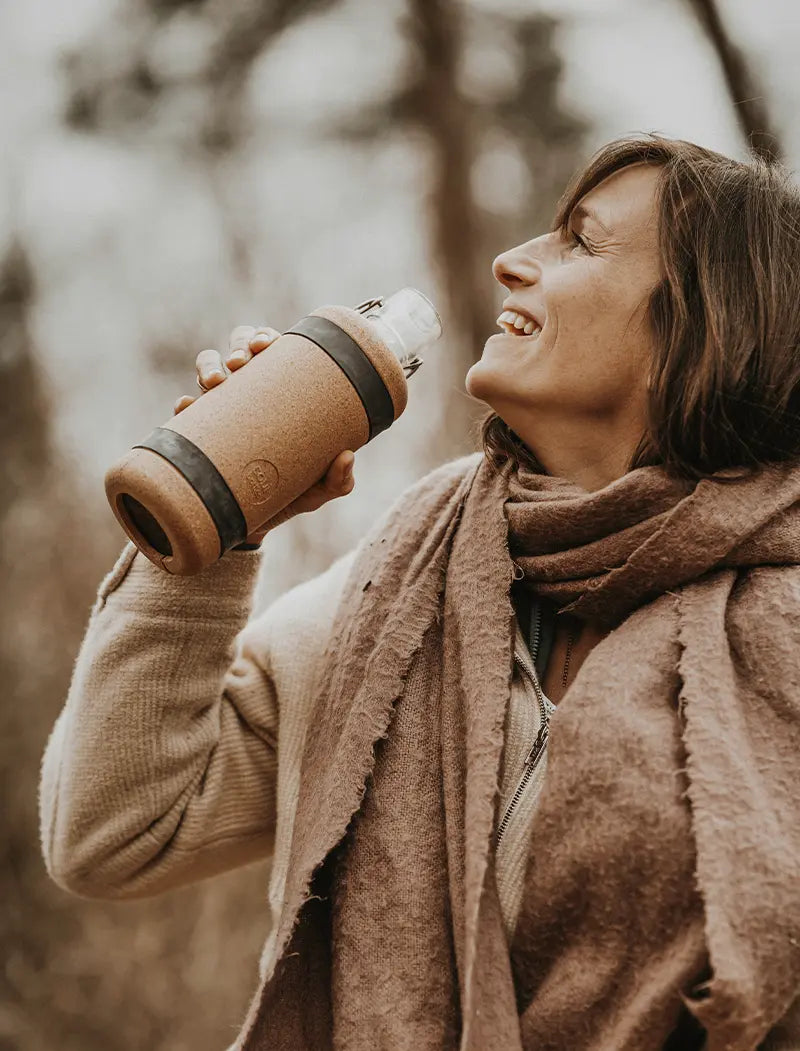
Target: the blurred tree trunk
pixel 750 106
pixel 465 237
pixel 436 32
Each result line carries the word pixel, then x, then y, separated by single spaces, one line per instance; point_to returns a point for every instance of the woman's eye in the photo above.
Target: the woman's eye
pixel 578 241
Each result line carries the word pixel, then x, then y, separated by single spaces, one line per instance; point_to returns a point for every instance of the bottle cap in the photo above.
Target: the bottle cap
pixel 407 322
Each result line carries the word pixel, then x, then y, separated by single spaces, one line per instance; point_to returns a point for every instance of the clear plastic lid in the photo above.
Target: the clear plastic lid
pixel 407 322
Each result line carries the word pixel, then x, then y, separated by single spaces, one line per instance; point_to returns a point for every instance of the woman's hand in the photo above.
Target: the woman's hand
pixel 245 341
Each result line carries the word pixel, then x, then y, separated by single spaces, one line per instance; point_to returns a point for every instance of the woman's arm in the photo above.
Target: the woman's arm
pixel 161 768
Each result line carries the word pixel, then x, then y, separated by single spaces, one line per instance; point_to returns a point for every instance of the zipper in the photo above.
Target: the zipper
pixel 535 753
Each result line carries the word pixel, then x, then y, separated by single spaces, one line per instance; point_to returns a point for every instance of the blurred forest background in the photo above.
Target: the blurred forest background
pixel 177 167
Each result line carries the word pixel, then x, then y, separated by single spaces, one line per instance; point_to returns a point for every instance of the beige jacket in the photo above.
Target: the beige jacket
pixel 177 753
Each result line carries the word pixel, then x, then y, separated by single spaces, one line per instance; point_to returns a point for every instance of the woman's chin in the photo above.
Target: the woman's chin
pixel 476 382
pixel 488 375
pixel 508 366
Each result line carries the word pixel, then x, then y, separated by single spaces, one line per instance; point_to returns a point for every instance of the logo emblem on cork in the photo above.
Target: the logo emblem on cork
pixel 261 477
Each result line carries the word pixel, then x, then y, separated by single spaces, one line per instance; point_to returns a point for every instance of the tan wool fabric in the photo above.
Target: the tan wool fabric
pixel 667 833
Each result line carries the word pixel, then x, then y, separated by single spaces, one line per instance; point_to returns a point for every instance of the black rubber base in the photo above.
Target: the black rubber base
pixel 206 481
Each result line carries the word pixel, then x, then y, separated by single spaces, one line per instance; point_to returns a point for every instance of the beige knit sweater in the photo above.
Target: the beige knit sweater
pixel 177 753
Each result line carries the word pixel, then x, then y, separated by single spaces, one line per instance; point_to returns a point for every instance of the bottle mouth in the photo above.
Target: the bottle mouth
pixel 144 523
pixel 407 321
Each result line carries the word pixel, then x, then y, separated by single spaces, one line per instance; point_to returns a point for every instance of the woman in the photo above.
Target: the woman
pixel 526 760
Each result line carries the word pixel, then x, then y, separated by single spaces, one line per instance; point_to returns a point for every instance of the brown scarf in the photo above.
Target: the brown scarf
pixel 665 848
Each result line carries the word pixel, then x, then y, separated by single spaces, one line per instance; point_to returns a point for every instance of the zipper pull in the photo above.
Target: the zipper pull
pixel 538 745
pixel 517 572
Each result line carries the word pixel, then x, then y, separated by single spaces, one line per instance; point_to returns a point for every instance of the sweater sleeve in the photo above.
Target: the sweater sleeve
pixel 161 767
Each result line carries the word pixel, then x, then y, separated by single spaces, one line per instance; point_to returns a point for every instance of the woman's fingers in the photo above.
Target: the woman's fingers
pixel 182 403
pixel 210 370
pixel 210 373
pixel 239 346
pixel 340 473
pixel 337 481
pixel 262 337
pixel 245 341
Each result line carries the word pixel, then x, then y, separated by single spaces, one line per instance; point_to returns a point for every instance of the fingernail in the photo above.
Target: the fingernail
pixel 237 355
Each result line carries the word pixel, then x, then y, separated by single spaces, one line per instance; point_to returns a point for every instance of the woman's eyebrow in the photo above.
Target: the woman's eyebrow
pixel 582 212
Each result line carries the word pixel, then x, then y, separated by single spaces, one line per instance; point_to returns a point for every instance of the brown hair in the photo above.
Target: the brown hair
pixel 724 391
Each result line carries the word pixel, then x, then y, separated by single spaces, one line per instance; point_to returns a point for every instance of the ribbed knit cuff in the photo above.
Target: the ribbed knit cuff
pixel 224 588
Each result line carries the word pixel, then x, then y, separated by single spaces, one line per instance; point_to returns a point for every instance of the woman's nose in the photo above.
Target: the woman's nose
pixel 515 267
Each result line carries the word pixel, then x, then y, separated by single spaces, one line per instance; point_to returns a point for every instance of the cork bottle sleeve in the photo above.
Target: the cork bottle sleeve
pixel 248 447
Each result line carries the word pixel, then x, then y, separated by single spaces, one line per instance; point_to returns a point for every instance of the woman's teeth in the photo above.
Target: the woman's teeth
pixel 511 321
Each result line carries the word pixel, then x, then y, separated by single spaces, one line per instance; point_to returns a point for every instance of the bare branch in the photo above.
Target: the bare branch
pixel 750 106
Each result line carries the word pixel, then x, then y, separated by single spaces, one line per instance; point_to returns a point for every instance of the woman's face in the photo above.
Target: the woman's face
pixel 588 291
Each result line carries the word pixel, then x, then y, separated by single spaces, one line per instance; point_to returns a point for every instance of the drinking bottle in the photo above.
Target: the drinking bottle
pixel 223 467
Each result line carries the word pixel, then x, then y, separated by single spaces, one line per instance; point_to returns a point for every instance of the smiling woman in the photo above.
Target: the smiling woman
pixel 576 392
pixel 525 760
pixel 668 292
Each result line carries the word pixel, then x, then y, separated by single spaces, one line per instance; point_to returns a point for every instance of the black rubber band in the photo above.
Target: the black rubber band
pixel 355 364
pixel 206 481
